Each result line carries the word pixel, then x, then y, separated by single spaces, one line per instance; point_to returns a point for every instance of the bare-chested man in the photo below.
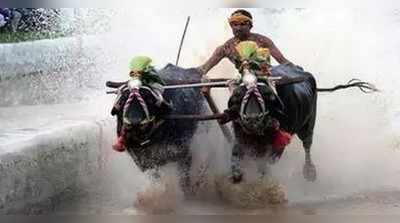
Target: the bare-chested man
pixel 241 22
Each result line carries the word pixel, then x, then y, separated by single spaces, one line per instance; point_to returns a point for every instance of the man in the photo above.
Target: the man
pixel 142 69
pixel 5 15
pixel 241 22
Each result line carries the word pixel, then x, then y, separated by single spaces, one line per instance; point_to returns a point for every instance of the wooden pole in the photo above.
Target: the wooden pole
pixel 210 101
pixel 225 130
pixel 183 37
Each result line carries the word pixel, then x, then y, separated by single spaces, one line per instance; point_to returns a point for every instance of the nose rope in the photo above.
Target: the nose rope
pixel 135 94
pixel 246 97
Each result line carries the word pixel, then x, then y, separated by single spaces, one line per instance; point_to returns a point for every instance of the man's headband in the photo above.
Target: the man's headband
pixel 239 18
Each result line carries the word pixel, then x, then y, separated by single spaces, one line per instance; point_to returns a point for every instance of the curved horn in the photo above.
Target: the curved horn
pixel 112 84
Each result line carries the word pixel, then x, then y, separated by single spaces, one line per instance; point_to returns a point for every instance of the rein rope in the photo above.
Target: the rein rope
pixel 363 86
pixel 256 92
pixel 135 94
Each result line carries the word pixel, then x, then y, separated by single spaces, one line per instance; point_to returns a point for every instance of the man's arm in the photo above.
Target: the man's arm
pixel 216 57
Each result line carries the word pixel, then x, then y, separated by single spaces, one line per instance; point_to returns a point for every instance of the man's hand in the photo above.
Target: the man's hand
pixel 225 118
pixel 265 70
pixel 205 90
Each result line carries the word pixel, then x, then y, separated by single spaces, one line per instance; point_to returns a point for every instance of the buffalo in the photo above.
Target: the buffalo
pixel 153 141
pixel 257 108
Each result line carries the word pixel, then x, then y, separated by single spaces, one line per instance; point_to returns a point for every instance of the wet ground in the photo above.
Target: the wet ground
pixel 73 203
pixel 115 192
pixel 358 183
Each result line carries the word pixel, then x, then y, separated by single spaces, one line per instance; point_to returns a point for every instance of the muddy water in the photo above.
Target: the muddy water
pixel 356 145
pixel 120 188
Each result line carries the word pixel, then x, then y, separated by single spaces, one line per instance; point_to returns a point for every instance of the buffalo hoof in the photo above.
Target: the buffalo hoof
pixel 237 178
pixel 188 192
pixel 310 172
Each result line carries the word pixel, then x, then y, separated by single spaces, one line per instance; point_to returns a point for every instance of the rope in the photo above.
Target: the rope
pixel 194 117
pixel 258 95
pixel 135 94
pixel 363 86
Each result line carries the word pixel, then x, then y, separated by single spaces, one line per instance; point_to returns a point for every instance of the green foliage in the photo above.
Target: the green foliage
pixel 10 37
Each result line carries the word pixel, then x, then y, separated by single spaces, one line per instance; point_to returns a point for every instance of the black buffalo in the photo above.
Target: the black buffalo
pixel 256 112
pixel 153 141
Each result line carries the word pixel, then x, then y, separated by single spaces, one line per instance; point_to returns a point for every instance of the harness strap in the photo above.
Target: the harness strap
pixel 147 140
pixel 135 94
pixel 246 97
pixel 157 93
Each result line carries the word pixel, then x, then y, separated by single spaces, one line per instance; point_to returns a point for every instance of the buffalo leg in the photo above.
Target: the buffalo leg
pixel 306 135
pixel 309 170
pixel 184 166
pixel 119 124
pixel 155 174
pixel 262 162
pixel 263 167
pixel 237 174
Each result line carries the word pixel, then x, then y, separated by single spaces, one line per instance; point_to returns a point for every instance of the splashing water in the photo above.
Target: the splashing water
pixel 161 196
pixel 259 194
pixel 355 137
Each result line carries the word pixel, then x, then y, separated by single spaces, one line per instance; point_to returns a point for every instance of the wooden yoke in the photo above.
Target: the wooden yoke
pixel 213 107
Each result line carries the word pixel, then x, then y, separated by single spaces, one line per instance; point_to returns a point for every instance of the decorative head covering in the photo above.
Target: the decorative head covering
pixel 246 49
pixel 140 64
pixel 250 54
pixel 263 54
pixel 249 50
